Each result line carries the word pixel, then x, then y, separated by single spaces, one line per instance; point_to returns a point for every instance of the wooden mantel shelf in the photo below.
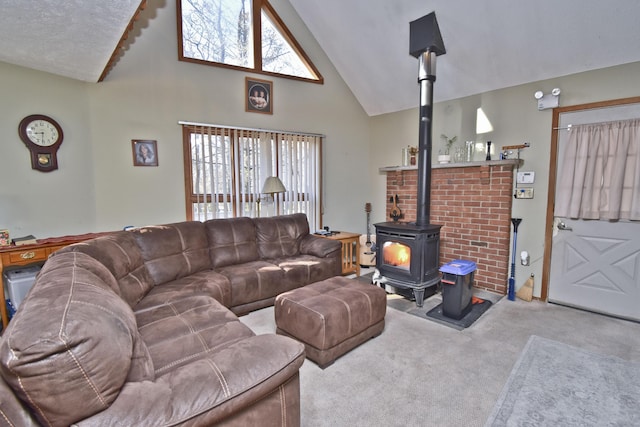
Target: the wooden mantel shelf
pixel 513 162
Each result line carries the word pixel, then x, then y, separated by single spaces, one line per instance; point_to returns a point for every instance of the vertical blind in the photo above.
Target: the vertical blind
pixel 225 169
pixel 600 174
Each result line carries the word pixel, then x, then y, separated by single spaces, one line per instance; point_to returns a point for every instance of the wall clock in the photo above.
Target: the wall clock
pixel 43 136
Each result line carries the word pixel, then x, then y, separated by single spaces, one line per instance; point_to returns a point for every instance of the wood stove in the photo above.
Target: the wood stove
pixel 408 253
pixel 408 256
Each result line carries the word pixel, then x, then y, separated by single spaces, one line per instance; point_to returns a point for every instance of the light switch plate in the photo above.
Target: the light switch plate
pixel 525 177
pixel 524 193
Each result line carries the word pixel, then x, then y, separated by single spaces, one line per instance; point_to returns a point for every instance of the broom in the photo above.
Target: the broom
pixel 526 291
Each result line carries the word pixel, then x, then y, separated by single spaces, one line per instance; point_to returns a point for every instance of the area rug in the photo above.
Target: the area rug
pixel 555 384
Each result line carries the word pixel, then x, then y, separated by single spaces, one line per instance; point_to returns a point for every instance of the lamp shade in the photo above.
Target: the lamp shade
pixel 273 185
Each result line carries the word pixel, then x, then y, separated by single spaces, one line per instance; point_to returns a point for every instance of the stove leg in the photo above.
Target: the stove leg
pixel 419 294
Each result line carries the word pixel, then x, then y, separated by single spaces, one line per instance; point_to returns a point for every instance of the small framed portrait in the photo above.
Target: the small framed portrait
pixel 145 152
pixel 258 96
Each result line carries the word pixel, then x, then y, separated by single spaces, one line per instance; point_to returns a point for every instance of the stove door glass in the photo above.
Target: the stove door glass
pixel 397 255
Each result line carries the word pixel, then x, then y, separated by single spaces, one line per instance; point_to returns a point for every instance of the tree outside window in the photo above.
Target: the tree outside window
pixel 244 34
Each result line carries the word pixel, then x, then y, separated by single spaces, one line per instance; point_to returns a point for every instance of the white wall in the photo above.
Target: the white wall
pixel 143 97
pixel 516 119
pixel 54 203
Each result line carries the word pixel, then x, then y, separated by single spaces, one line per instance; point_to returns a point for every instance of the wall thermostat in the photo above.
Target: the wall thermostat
pixel 525 177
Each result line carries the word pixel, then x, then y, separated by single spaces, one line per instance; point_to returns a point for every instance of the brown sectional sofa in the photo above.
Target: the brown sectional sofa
pixel 139 327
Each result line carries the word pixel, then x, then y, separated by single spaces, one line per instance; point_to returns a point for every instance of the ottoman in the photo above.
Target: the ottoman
pixel 331 317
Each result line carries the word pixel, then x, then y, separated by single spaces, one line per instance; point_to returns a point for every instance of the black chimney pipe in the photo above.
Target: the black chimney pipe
pixel 425 44
pixel 425 79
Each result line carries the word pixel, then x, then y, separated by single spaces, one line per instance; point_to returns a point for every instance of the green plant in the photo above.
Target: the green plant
pixel 448 142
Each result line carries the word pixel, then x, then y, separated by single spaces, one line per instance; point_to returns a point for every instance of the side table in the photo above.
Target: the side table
pixel 350 250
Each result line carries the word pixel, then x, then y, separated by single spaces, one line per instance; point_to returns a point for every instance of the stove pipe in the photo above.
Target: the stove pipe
pixel 425 44
pixel 426 77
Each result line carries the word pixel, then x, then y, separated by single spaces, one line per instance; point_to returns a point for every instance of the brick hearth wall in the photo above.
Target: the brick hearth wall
pixel 473 205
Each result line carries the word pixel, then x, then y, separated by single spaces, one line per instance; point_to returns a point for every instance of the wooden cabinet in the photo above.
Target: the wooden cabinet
pixel 24 257
pixel 350 251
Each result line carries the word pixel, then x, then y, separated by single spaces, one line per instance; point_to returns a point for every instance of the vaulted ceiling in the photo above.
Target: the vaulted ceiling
pixel 490 44
pixel 71 38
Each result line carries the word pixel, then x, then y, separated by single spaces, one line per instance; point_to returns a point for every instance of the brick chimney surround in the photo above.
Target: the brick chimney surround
pixel 472 201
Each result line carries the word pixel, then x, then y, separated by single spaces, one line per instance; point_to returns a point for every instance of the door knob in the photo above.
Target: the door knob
pixel 563 226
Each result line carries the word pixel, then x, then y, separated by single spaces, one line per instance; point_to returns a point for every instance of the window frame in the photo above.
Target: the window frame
pixel 291 197
pixel 257 8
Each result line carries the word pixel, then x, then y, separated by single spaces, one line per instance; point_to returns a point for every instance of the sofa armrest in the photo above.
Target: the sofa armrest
pixel 12 410
pixel 207 390
pixel 319 246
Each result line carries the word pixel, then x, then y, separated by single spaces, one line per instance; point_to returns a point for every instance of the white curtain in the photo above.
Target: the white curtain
pixel 600 173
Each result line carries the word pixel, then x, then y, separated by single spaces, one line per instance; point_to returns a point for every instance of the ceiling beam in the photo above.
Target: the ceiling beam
pixel 120 48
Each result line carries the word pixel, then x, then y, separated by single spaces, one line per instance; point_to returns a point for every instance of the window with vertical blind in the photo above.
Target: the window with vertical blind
pixel 225 170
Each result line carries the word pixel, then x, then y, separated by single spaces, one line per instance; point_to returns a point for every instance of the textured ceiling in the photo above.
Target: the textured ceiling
pixel 71 38
pixel 490 44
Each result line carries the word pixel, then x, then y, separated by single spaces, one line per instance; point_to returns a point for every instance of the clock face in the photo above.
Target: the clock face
pixel 43 136
pixel 42 132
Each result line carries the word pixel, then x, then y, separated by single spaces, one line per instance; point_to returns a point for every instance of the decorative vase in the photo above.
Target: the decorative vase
pixel 412 160
pixel 488 151
pixel 470 146
pixel 405 157
pixel 444 158
pixel 458 155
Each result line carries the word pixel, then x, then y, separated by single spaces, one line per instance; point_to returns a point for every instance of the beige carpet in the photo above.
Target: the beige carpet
pixel 421 373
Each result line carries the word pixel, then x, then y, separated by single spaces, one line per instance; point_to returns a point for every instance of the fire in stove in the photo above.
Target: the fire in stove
pixel 397 255
pixel 408 256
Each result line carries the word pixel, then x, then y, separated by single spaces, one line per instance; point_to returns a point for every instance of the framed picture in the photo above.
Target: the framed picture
pixel 258 96
pixel 145 152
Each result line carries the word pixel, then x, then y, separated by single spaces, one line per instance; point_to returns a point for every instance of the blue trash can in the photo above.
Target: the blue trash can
pixel 457 288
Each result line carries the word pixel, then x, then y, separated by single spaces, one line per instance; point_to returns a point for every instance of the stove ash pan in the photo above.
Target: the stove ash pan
pixel 408 255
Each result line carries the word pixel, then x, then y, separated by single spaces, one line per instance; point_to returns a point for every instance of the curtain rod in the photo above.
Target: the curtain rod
pixel 180 122
pixel 568 127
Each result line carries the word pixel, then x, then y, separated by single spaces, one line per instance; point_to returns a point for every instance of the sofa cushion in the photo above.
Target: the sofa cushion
pixel 85 344
pixel 188 329
pixel 304 269
pixel 172 251
pixel 254 281
pixel 208 283
pixel 231 241
pixel 280 236
pixel 120 254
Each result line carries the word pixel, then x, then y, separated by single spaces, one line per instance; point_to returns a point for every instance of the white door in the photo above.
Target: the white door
pixel 595 265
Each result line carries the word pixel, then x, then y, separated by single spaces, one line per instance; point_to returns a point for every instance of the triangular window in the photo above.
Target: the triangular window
pixel 223 33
